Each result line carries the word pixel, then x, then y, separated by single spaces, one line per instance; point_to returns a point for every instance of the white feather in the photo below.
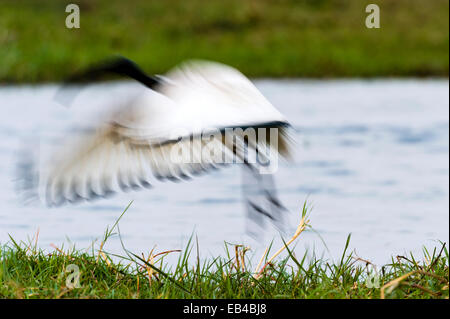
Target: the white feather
pixel 196 97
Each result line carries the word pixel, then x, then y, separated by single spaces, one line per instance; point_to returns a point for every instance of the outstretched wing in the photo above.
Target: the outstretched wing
pixel 162 135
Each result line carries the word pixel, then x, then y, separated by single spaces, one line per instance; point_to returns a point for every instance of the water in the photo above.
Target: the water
pixel 372 158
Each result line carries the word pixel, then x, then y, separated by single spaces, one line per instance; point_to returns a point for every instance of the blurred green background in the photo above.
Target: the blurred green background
pixel 262 38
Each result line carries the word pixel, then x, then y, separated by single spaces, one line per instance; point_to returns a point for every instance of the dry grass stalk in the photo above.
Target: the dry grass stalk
pixel 59 250
pixel 151 260
pixel 137 283
pixel 301 227
pixel 261 260
pixel 243 252
pixel 100 250
pixel 106 259
pixel 390 286
pixel 239 262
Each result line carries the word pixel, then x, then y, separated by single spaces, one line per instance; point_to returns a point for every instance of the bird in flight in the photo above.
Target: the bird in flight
pixel 196 118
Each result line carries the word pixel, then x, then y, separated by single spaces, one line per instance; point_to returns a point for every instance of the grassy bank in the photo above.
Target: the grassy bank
pixel 28 272
pixel 308 38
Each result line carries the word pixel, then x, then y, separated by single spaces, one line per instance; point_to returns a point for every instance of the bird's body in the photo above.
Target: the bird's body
pixel 195 118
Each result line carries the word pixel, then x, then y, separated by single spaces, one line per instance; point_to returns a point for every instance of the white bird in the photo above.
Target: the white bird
pixel 188 111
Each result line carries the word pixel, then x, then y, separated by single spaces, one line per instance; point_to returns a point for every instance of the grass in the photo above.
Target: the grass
pixel 28 272
pixel 263 38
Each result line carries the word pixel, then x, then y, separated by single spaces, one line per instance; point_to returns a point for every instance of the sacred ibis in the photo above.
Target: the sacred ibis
pixel 203 116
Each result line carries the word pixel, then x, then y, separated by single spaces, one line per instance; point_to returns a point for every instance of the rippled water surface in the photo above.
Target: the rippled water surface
pixel 371 158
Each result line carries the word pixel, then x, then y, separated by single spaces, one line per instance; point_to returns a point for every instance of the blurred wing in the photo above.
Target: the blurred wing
pixel 213 95
pixel 147 136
